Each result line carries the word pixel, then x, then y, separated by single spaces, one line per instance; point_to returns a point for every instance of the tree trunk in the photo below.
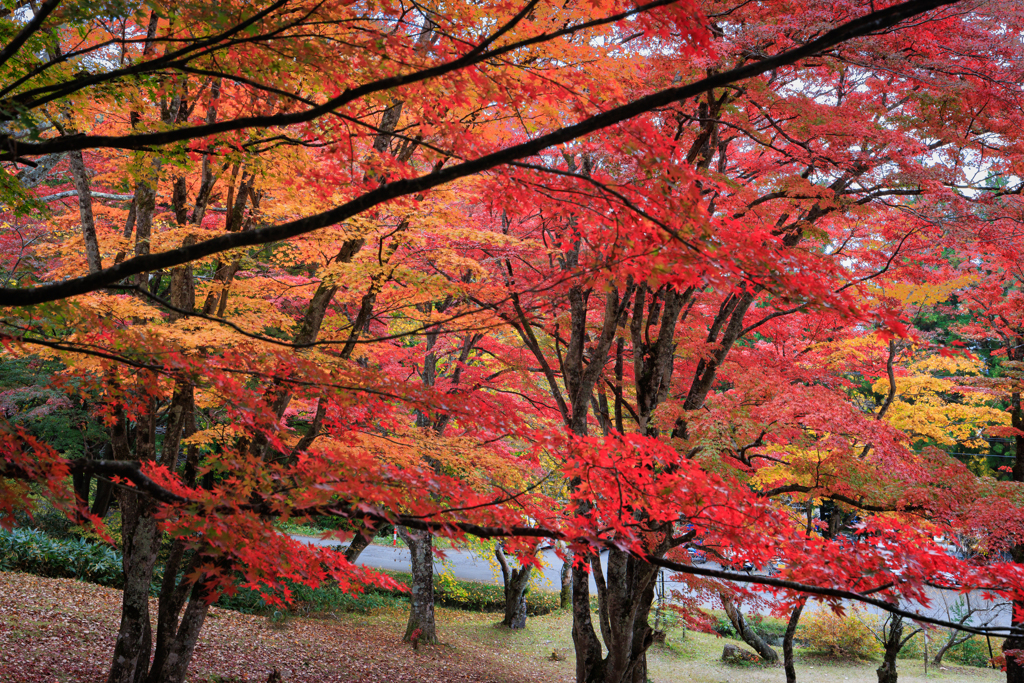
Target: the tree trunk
pixel 175 660
pixel 101 504
pixel 421 609
pixel 589 662
pixel 80 179
pixel 787 643
pixel 747 634
pixel 625 598
pixel 134 639
pixel 515 581
pixel 360 542
pixel 887 672
pixel 565 594
pixel 172 597
pixel 145 205
pixel 646 578
pixel 951 642
pixel 893 643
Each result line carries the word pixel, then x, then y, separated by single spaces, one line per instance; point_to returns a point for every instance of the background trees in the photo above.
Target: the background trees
pixel 413 264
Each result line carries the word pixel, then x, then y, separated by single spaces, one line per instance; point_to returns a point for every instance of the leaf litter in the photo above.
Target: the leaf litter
pixel 63 630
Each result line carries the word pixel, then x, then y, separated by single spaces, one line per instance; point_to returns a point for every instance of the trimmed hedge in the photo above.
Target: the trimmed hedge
pixel 34 552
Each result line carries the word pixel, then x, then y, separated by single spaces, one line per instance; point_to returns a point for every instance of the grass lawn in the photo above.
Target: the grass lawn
pixel 64 630
pixel 693 657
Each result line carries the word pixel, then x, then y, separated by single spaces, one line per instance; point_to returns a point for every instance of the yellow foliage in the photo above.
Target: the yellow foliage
pixel 926 294
pixel 847 636
pixel 215 435
pixel 941 408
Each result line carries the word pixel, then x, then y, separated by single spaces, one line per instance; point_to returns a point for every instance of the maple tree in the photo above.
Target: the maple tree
pixel 414 264
pixel 994 304
pixel 821 220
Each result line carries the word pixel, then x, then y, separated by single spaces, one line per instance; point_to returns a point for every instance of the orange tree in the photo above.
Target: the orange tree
pixel 310 198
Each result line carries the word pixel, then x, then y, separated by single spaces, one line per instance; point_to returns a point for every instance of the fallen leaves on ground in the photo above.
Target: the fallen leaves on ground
pixel 64 630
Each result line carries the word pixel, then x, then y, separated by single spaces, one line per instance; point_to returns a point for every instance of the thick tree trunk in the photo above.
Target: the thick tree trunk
pixel 589 660
pixel 642 584
pixel 134 639
pixel 174 662
pixel 747 634
pixel 887 672
pixel 515 599
pixel 787 643
pixel 625 593
pixel 421 609
pixel 172 597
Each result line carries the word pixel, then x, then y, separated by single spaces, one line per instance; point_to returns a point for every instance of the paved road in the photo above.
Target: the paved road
pixel 469 566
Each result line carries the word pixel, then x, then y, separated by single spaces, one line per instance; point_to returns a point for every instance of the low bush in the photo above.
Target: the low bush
pixel 482 597
pixel 844 636
pixel 769 628
pixel 326 599
pixel 466 595
pixel 973 652
pixel 914 649
pixel 34 552
pixel 722 626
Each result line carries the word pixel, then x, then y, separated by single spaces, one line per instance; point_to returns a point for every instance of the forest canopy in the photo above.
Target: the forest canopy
pixel 733 278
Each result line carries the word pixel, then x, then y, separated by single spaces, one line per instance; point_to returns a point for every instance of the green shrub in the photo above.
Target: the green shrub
pixel 842 636
pixel 34 552
pixel 448 592
pixel 973 652
pixel 483 597
pixel 325 599
pixel 914 649
pixel 723 626
pixel 768 628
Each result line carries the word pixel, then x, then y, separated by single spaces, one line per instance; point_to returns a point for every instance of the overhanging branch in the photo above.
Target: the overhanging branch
pixel 131 471
pixel 868 24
